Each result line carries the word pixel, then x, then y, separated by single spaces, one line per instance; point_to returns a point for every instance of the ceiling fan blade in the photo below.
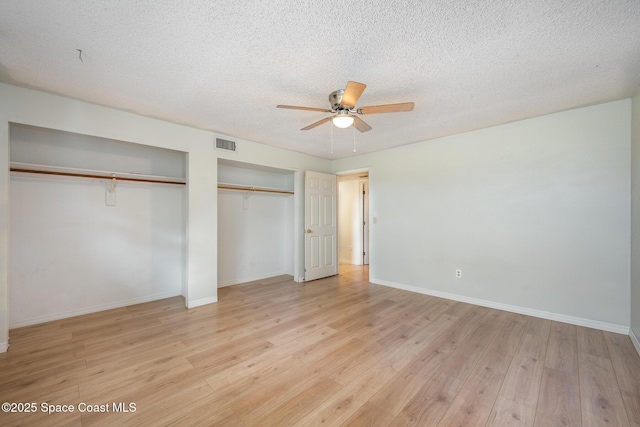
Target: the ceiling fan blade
pixel 318 123
pixel 359 124
pixel 293 107
pixel 388 108
pixel 352 93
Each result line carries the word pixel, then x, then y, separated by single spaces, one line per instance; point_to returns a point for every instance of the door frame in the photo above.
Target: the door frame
pixel 368 171
pixel 365 220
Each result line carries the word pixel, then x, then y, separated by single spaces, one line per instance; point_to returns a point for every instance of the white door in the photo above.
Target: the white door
pixel 320 242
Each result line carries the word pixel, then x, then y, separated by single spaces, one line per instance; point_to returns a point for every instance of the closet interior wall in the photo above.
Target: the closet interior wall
pixel 80 244
pixel 255 222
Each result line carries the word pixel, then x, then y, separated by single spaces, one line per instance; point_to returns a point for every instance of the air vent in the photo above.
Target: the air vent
pixel 225 144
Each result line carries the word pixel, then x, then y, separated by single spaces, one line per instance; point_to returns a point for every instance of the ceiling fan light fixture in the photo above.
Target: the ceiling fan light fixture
pixel 343 106
pixel 342 121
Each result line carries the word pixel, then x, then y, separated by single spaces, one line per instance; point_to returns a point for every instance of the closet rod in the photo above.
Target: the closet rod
pixel 84 175
pixel 261 190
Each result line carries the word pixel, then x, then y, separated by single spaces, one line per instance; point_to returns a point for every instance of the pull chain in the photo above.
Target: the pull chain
pixel 354 138
pixel 331 124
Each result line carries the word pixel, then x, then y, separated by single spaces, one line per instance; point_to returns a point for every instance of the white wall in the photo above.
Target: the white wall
pixel 239 173
pixel 535 213
pixel 72 150
pixel 349 226
pixel 35 108
pixel 635 221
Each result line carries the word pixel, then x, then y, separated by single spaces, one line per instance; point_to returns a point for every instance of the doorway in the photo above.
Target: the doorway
pixel 353 218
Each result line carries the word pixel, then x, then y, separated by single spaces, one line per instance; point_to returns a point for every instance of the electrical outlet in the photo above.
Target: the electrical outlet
pixel 458 273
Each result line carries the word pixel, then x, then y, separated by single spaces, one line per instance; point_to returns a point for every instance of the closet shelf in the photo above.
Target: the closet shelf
pixel 91 173
pixel 237 187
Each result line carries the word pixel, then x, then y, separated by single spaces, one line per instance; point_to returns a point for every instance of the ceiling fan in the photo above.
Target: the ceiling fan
pixel 345 113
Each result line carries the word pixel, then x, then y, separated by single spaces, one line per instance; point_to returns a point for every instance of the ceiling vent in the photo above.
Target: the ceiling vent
pixel 225 144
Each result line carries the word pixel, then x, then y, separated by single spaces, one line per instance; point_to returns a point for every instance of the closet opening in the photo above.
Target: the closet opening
pixel 256 222
pixel 95 223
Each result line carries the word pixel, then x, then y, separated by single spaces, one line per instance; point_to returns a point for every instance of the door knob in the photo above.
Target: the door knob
pixel 309 230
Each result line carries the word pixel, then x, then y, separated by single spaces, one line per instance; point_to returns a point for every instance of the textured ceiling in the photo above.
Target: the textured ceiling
pixel 224 65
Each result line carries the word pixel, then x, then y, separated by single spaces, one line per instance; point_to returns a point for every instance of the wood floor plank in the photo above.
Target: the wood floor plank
pixel 227 355
pixel 108 383
pixel 259 399
pixel 51 420
pixel 274 362
pixel 538 327
pixel 430 403
pixel 259 403
pixel 57 397
pixel 291 410
pixel 507 339
pixel 562 353
pixel 233 387
pixel 600 396
pixel 591 341
pixel 369 415
pixel 507 412
pixel 57 377
pixel 349 398
pixel 474 338
pixel 473 404
pixel 504 345
pixel 626 364
pixel 559 399
pixel 522 381
pixel 632 405
pixel 336 351
pixel 207 415
pixel 408 381
pixel 156 406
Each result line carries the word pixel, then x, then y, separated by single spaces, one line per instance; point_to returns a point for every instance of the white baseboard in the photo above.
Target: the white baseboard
pixel 4 347
pixel 634 340
pixel 253 278
pixel 202 301
pixel 92 309
pixel 579 321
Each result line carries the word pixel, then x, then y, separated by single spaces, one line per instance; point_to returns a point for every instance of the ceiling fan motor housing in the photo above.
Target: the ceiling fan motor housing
pixel 335 98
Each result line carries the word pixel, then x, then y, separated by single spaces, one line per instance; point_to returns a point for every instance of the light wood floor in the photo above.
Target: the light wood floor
pixel 333 352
